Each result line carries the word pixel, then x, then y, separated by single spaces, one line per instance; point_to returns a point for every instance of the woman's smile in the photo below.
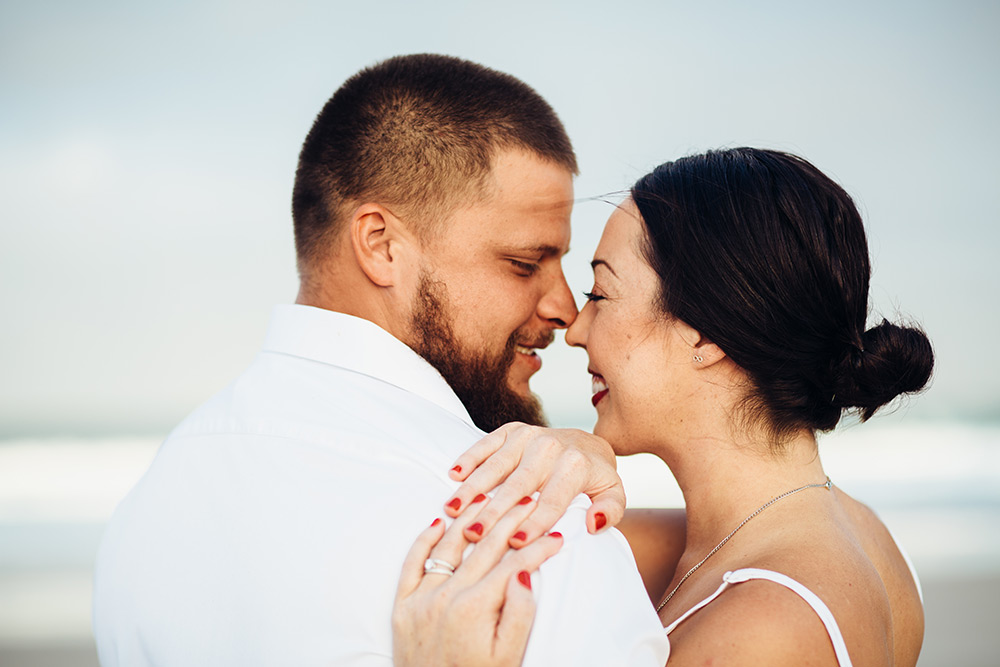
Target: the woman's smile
pixel 599 388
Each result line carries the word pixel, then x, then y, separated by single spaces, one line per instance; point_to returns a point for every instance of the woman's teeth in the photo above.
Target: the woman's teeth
pixel 599 388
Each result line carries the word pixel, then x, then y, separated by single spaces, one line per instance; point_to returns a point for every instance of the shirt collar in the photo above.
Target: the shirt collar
pixel 361 346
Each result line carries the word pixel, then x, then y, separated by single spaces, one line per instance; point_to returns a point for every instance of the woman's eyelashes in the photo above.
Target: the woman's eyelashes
pixel 591 296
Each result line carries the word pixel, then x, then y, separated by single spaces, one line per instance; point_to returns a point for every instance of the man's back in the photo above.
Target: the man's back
pixel 272 525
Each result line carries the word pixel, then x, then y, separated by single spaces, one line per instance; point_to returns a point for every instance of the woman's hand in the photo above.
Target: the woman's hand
pixel 559 463
pixel 481 615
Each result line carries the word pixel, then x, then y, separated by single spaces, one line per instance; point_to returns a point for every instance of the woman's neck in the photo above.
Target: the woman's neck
pixel 723 482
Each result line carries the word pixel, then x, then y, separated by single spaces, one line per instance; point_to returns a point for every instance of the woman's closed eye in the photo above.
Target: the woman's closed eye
pixel 591 296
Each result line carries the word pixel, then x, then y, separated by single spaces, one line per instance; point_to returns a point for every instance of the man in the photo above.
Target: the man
pixel 431 211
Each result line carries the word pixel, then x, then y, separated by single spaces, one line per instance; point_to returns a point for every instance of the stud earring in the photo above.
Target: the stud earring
pixel 698 358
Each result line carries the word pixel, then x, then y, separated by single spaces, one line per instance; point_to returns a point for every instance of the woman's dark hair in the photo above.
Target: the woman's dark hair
pixel 767 257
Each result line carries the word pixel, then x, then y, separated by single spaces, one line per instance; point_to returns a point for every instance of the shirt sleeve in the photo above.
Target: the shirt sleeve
pixel 592 607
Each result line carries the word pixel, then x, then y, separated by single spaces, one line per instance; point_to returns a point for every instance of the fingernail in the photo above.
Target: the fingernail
pixel 600 521
pixel 524 501
pixel 435 522
pixel 524 578
pixel 520 536
pixel 476 528
pixel 454 503
pixel 555 533
pixel 480 498
pixel 457 469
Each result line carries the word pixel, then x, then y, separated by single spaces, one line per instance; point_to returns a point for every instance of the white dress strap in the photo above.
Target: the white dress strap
pixel 749 574
pixel 689 612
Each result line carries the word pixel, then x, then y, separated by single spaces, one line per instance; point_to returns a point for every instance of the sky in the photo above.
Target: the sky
pixel 147 154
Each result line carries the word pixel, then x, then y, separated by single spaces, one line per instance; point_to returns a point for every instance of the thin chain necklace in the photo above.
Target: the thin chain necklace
pixel 725 539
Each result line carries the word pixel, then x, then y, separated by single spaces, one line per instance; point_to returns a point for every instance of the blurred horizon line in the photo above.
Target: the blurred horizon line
pixel 583 419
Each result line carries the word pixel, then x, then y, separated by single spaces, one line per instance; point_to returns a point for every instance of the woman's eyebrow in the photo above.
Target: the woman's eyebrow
pixel 600 262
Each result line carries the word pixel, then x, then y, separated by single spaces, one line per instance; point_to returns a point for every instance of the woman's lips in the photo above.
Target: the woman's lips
pixel 599 388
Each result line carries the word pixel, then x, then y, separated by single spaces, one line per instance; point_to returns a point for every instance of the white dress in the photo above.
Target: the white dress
pixel 750 574
pixel 824 613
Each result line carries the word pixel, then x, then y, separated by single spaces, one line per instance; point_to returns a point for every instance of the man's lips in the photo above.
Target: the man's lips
pixel 529 356
pixel 527 347
pixel 598 387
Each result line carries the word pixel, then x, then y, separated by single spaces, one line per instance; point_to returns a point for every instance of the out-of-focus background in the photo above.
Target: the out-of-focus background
pixel 147 153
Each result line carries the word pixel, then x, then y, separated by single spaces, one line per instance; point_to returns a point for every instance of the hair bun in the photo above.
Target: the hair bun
pixel 891 360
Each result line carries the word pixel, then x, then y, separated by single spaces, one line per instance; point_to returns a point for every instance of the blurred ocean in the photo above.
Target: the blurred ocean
pixel 937 486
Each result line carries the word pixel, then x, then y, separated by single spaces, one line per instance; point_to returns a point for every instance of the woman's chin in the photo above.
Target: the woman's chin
pixel 601 429
pixel 621 443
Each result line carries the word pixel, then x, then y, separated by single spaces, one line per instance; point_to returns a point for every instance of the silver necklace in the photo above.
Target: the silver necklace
pixel 725 539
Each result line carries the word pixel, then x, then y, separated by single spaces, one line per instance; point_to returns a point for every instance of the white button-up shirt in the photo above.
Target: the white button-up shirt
pixel 272 525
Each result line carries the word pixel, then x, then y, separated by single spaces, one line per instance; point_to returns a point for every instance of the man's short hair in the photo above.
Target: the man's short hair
pixel 417 132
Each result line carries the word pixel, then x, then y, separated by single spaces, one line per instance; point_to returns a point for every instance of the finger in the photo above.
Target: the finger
pixel 516 618
pixel 413 564
pixel 607 510
pixel 544 461
pixel 528 558
pixel 516 491
pixel 451 546
pixel 569 475
pixel 479 452
pixel 494 546
pixel 487 475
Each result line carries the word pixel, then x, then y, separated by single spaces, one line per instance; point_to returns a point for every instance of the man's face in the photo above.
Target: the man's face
pixel 492 289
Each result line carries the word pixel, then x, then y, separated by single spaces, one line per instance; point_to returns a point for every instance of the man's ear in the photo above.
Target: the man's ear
pixel 704 352
pixel 380 242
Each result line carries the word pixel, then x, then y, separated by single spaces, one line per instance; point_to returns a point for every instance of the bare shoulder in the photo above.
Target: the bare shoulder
pixel 901 590
pixel 753 623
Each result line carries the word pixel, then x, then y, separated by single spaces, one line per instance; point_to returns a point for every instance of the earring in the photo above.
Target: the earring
pixel 698 358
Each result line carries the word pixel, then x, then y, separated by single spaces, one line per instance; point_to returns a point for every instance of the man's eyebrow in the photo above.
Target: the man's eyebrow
pixel 543 250
pixel 600 262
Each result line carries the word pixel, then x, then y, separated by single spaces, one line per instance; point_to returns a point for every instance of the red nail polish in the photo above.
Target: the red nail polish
pixel 520 536
pixel 454 503
pixel 480 498
pixel 457 469
pixel 524 501
pixel 600 521
pixel 435 522
pixel 555 533
pixel 476 528
pixel 524 578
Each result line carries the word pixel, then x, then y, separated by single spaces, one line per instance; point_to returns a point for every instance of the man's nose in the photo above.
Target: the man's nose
pixel 576 335
pixel 557 305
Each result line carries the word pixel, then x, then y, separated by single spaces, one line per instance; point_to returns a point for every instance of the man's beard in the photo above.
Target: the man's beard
pixel 477 378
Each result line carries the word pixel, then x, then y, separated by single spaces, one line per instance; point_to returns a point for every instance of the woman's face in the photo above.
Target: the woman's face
pixel 639 358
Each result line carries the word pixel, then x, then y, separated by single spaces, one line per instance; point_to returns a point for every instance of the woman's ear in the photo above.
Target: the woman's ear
pixel 704 352
pixel 380 243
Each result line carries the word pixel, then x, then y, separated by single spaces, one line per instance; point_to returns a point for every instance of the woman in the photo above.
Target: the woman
pixel 725 328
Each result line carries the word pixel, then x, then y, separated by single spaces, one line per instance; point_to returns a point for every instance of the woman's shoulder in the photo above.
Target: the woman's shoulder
pixel 902 590
pixel 843 565
pixel 851 562
pixel 754 621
